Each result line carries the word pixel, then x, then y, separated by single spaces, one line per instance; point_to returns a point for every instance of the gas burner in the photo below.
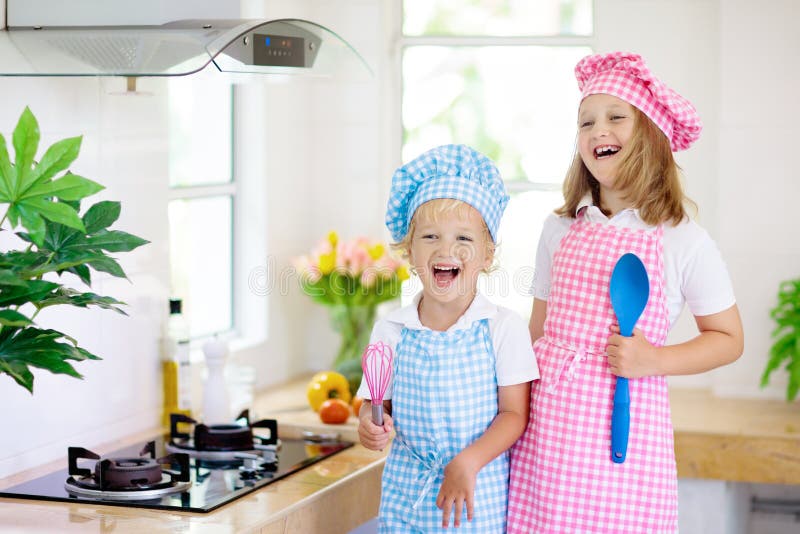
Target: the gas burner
pixel 128 478
pixel 226 442
pixel 203 486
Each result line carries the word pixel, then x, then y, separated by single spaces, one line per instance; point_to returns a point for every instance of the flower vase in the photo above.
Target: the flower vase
pixel 354 325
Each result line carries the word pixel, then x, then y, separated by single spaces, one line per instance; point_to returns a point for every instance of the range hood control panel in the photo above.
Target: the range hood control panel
pixel 278 50
pixel 276 45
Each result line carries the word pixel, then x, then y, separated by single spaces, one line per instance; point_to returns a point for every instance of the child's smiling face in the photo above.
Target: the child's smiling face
pixel 605 125
pixel 448 253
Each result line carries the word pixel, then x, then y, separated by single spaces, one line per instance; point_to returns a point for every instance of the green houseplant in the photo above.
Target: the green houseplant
pixel 786 334
pixel 42 216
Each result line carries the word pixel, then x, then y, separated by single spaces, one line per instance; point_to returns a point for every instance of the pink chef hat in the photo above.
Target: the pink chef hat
pixel 627 77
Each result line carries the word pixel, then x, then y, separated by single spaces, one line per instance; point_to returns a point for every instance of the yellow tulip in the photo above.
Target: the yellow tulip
pixel 333 238
pixel 402 273
pixel 327 262
pixel 376 251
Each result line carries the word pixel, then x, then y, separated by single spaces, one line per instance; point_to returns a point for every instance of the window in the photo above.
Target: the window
pixel 202 201
pixel 498 76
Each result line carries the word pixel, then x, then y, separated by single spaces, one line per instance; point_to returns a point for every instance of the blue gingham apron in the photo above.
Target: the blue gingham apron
pixel 445 397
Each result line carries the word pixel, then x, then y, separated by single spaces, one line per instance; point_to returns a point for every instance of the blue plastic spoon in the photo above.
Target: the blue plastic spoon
pixel 630 289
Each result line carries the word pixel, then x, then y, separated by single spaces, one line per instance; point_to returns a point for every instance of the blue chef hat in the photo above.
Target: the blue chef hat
pixel 448 171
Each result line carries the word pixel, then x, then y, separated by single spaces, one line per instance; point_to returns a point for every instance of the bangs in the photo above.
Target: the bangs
pixel 437 209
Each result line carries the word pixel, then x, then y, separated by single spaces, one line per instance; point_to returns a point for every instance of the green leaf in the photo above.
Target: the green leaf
pixel 13 215
pixel 115 241
pixel 55 211
pixel 19 372
pixel 38 348
pixel 15 345
pixel 13 318
pixel 10 278
pixel 83 300
pixel 57 158
pixel 68 187
pixel 26 142
pixel 8 175
pixel 101 216
pixel 786 347
pixel 34 223
pixel 108 265
pixel 53 359
pixel 69 249
pixel 58 236
pixel 33 291
pixel 794 372
pixel 63 265
pixel 18 262
pixel 82 272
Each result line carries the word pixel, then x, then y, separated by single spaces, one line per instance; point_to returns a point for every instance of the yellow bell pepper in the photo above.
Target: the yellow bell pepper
pixel 327 385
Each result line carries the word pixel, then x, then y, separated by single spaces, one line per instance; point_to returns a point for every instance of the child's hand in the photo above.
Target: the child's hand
pixel 372 436
pixel 631 357
pixel 458 489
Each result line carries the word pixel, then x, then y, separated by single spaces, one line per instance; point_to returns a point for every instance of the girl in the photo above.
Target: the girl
pixel 462 365
pixel 622 194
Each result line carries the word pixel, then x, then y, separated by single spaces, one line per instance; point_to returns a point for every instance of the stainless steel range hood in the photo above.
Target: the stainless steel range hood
pixel 284 46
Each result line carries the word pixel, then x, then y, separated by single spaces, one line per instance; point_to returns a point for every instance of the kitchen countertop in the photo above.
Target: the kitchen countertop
pixel 727 439
pixel 741 440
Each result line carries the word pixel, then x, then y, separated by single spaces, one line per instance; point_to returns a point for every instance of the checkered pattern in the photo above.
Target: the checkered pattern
pixel 445 397
pixel 562 476
pixel 627 77
pixel 448 171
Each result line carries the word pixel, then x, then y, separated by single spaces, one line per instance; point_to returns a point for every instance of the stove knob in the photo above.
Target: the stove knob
pixel 270 467
pixel 251 464
pixel 247 475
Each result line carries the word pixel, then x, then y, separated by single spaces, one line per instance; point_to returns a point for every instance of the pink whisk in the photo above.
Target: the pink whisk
pixel 376 362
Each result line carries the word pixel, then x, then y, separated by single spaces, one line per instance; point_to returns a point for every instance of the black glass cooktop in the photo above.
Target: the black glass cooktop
pixel 213 482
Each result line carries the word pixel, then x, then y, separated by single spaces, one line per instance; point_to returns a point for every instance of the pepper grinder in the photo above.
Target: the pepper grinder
pixel 216 404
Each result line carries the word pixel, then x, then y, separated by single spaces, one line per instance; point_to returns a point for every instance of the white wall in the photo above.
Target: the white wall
pixel 758 176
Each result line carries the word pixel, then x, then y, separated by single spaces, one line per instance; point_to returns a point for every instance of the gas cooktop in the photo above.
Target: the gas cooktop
pixel 195 472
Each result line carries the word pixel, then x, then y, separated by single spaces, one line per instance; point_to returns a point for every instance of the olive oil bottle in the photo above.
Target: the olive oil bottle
pixel 176 365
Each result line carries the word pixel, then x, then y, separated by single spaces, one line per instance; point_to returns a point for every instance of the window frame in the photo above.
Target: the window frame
pixel 514 186
pixel 405 41
pixel 223 189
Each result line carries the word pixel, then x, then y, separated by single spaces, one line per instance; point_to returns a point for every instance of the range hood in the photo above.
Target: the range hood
pixel 174 48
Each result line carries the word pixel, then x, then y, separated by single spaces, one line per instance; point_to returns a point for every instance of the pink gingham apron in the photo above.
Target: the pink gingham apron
pixel 562 477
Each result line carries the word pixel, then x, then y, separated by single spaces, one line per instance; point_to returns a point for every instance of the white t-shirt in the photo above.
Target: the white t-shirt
pixel 514 359
pixel 694 271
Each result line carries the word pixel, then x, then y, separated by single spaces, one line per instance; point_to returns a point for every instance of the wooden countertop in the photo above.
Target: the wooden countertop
pixel 742 440
pixel 726 439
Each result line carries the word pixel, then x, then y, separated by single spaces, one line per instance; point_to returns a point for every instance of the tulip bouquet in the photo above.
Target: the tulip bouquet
pixel 360 272
pixel 352 278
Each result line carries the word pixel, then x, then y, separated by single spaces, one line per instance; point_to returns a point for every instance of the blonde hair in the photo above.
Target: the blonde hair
pixel 435 210
pixel 647 174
